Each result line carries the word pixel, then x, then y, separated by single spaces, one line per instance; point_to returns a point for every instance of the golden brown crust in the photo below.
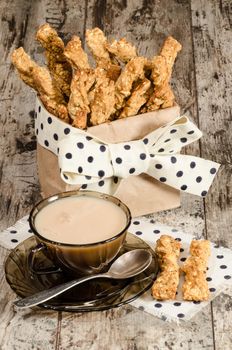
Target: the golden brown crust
pixel 50 40
pixel 24 65
pixel 139 86
pixel 162 96
pixel 165 286
pixel 122 49
pixel 57 109
pixel 97 41
pixel 137 99
pixel 168 251
pixel 200 248
pixel 112 70
pixel 167 245
pixel 78 105
pixel 133 71
pixel 102 106
pixel 44 84
pixel 169 51
pixel 56 61
pixel 50 96
pixel 195 286
pixel 75 54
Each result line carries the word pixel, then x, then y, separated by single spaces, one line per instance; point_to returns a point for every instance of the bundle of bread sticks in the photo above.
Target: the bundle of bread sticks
pixel 195 286
pixel 122 84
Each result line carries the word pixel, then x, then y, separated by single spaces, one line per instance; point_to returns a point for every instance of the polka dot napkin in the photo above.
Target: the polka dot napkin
pixel 219 273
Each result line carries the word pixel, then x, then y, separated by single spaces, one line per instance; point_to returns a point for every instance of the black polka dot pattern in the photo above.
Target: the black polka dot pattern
pixel 179 173
pixel 158 166
pixel 66 131
pixel 68 155
pixel 145 141
pixel 223 267
pixel 138 233
pixel 227 277
pixel 158 305
pixel 192 165
pixel 49 120
pixel 118 160
pixel 80 145
pixel 136 222
pixel 131 170
pixel 102 148
pixel 177 304
pixel 159 155
pixel 142 156
pixel 101 173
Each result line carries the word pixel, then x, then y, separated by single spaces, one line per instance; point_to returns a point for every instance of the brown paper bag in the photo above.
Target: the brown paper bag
pixel 142 194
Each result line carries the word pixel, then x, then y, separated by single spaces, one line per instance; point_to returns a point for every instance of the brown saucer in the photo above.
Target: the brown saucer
pixel 96 295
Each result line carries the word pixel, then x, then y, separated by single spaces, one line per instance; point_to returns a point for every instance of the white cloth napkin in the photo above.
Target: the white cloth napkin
pixel 219 274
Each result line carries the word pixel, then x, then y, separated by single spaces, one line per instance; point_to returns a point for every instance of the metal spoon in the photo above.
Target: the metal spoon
pixel 127 265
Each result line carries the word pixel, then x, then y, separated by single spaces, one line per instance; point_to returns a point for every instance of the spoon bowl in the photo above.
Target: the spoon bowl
pixel 127 265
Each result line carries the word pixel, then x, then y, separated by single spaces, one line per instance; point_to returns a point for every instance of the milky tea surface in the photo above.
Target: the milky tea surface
pixel 80 220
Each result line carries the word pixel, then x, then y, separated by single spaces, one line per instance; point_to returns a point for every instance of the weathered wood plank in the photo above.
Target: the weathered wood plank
pixel 212 42
pixel 147 24
pixel 31 329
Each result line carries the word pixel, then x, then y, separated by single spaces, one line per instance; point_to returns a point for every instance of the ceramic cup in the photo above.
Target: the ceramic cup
pixel 79 259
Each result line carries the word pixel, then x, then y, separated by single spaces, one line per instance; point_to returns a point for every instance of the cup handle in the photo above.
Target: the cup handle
pixel 31 261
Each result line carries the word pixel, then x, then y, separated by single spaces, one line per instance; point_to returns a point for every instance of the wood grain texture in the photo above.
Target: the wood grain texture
pixel 202 84
pixel 212 46
pixel 31 329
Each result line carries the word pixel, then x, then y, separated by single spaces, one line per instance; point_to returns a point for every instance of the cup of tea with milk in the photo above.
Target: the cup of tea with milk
pixel 80 231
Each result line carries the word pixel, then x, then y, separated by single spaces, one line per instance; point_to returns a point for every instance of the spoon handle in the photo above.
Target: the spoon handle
pixel 48 294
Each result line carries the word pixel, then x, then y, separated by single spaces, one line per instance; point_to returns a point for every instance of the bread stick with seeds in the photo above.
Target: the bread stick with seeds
pixel 75 54
pixel 102 106
pixel 195 286
pixel 162 98
pixel 96 42
pixel 24 65
pixel 162 65
pixel 39 79
pixel 51 97
pixel 78 105
pixel 133 71
pixel 137 99
pixel 169 51
pixel 168 251
pixel 56 60
pixel 122 49
pixel 112 70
